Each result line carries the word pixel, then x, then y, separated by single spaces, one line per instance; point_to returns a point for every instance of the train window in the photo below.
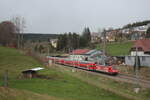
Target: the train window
pixel 114 67
pixel 84 63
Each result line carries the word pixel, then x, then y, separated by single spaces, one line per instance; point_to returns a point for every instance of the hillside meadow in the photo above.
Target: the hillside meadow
pixel 117 49
pixel 57 84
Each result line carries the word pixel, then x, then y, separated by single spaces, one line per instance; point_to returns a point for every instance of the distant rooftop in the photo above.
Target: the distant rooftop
pixel 33 69
pixel 143 44
pixel 80 51
pixel 84 52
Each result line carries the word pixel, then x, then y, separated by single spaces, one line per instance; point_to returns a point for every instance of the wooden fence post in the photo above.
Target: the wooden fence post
pixel 6 78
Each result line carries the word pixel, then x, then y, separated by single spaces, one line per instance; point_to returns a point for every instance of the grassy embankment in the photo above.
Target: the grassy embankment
pixel 117 87
pixel 117 49
pixel 143 72
pixel 59 83
pixel 14 94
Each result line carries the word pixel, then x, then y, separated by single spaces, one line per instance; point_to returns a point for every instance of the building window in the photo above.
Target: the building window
pixel 148 53
pixel 143 58
pixel 129 58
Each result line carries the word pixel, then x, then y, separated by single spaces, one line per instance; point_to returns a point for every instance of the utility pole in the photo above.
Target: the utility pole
pixel 137 89
pixel 6 78
pixel 18 40
pixel 48 50
pixel 137 67
pixel 104 46
pixel 21 40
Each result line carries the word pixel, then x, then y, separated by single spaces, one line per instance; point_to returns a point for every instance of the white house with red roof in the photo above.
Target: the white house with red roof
pixel 143 48
pixel 86 55
pixel 143 51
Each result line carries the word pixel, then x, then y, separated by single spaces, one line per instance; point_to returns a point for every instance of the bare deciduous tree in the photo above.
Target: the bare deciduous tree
pixel 19 22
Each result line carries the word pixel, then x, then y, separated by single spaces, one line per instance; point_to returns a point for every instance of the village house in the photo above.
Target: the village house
pixel 86 55
pixel 143 51
pixel 95 37
pixel 141 28
pixel 54 42
pixel 111 36
pixel 134 33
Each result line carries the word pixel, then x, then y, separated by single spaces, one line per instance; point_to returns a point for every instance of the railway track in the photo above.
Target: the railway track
pixel 119 77
pixel 126 78
pixel 133 79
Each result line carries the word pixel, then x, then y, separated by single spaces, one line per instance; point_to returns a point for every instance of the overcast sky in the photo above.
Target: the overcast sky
pixel 59 16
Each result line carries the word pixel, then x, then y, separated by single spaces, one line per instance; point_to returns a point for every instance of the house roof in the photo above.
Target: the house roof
pixel 144 44
pixel 33 70
pixel 80 51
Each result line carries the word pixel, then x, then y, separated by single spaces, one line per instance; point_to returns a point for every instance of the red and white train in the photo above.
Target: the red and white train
pixel 85 65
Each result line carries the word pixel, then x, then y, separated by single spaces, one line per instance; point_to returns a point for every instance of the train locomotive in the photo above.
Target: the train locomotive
pixel 87 65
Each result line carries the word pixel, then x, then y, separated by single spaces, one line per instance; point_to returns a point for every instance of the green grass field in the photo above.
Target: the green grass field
pixel 15 94
pixel 59 84
pixel 118 87
pixel 117 49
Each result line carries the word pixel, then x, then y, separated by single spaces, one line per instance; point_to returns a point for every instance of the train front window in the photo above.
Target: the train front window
pixel 114 67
